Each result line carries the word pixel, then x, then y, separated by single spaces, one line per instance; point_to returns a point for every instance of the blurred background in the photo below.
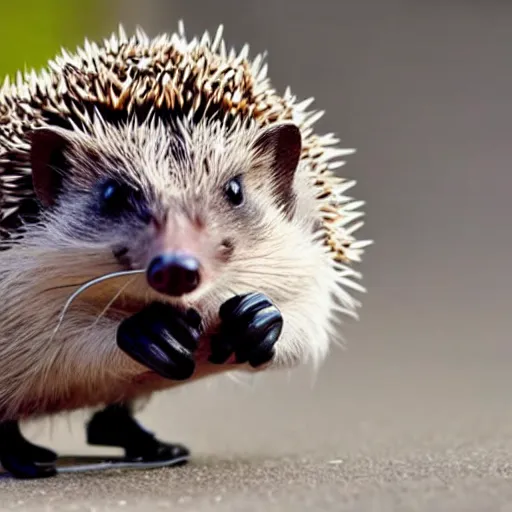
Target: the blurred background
pixel 422 90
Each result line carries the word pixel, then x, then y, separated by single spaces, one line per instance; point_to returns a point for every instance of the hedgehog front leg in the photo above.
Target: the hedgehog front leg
pixel 250 327
pixel 21 458
pixel 163 339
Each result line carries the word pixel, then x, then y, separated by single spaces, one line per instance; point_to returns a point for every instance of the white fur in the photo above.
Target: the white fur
pixel 45 370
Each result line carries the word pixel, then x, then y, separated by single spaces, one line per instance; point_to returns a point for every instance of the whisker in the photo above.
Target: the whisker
pixel 113 299
pixel 70 285
pixel 62 286
pixel 87 285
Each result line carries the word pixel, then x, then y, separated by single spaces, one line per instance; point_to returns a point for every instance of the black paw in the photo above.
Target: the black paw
pixel 158 451
pixel 116 426
pixel 250 326
pixel 163 339
pixel 21 458
pixel 25 468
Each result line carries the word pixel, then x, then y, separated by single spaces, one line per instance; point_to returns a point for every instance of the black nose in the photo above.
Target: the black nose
pixel 174 274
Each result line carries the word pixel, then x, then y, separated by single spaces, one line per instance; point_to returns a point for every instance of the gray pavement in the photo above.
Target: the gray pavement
pixel 408 435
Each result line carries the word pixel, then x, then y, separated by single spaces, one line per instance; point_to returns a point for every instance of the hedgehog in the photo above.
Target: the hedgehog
pixel 166 215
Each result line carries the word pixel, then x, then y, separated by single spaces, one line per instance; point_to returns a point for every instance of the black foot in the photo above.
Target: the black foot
pixel 115 426
pixel 21 458
pixel 163 339
pixel 251 325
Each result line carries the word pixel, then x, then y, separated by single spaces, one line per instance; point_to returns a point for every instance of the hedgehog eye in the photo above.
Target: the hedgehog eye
pixel 117 198
pixel 114 198
pixel 234 191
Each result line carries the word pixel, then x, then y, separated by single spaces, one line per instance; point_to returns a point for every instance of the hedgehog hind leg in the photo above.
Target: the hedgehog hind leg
pixel 21 458
pixel 116 426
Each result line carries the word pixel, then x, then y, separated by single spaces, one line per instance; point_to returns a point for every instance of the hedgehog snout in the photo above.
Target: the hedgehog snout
pixel 174 273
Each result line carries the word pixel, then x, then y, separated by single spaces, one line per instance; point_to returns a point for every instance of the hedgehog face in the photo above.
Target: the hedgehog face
pixel 187 204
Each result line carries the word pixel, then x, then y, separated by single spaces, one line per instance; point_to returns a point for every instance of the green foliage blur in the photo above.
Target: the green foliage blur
pixel 33 31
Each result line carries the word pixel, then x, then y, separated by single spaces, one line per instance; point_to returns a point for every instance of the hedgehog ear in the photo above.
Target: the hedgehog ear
pixel 282 145
pixel 47 161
